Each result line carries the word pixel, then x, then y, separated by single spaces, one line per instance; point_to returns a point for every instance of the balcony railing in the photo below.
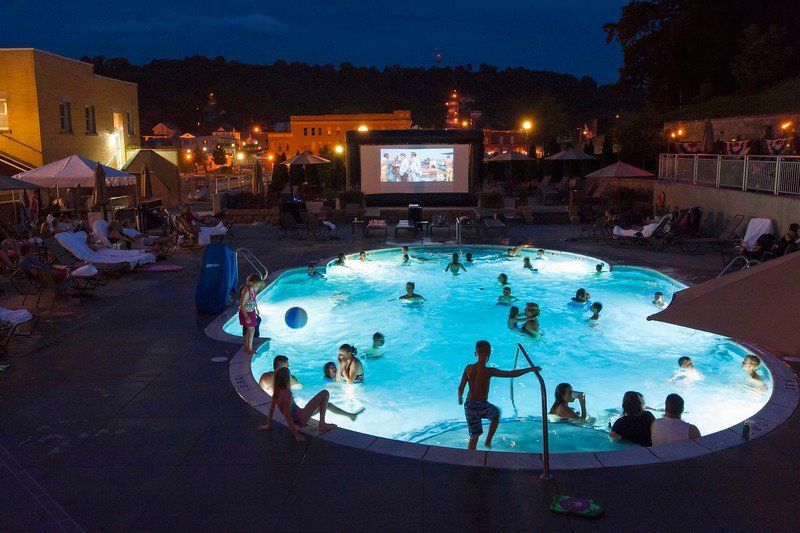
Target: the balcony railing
pixel 778 175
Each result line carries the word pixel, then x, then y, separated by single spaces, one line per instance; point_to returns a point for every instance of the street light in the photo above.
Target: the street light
pixel 339 149
pixel 240 156
pixel 527 125
pixel 363 127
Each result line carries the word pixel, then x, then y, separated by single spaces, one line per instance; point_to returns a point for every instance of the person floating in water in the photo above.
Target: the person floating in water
pixel 329 371
pixel 598 268
pixel 362 256
pixel 686 371
pixel 531 325
pixel 412 256
pixel 312 273
pixel 751 364
pixel 350 369
pixel 581 296
pixel 376 350
pixel 514 317
pixel 477 406
pixel 539 254
pixel 455 266
pixel 468 257
pixel 506 298
pixel 410 295
pixel 658 299
pixel 503 279
pixel 340 261
pixel 526 263
pixel 405 259
pixel 512 252
pixel 595 309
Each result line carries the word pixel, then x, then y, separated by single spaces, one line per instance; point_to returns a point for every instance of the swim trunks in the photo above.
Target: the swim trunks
pixel 475 410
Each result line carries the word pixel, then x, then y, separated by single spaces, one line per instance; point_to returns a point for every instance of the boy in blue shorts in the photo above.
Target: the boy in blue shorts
pixel 477 406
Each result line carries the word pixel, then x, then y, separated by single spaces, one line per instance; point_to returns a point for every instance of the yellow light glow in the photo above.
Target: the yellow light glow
pixel 233 145
pixel 680 132
pixel 240 156
pixel 339 149
pixel 112 140
pixel 270 157
pixel 786 125
pixel 188 151
pixel 256 129
pixel 527 125
pixel 188 157
pixel 672 134
pixel 465 123
pixel 363 127
pixel 204 148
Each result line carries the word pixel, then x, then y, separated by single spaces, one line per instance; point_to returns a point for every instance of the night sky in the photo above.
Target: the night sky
pixel 558 35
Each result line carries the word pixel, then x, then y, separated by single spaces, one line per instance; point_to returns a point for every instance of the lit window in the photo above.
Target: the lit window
pixel 91 125
pixel 4 115
pixel 305 131
pixel 65 117
pixel 131 130
pixel 338 131
pixel 329 131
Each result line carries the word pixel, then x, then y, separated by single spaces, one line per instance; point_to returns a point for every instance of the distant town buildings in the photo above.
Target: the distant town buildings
pixel 312 132
pixel 461 112
pixel 52 107
pixel 499 141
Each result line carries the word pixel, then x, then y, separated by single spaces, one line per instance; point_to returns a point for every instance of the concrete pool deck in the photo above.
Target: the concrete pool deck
pixel 116 418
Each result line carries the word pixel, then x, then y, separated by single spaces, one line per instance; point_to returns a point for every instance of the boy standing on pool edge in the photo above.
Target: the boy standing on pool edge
pixel 477 405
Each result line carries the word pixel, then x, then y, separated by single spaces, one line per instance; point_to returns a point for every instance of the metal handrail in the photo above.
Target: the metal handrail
pixel 739 258
pixel 257 265
pixel 543 390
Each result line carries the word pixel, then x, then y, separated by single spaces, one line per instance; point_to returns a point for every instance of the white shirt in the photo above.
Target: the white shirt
pixel 666 430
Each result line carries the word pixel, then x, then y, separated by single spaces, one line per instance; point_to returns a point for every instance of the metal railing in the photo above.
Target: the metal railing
pixel 254 262
pixel 745 263
pixel 777 175
pixel 543 390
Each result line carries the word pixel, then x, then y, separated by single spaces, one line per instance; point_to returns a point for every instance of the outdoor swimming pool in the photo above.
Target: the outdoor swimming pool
pixel 410 393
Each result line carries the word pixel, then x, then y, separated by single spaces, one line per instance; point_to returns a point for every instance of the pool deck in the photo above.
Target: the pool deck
pixel 115 418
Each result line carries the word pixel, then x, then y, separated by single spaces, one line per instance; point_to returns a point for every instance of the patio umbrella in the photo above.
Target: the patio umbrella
pixel 707 140
pixel 71 172
pixel 508 157
pixel 144 184
pixel 760 304
pixel 257 182
pixel 99 195
pixel 306 158
pixel 571 154
pixel 11 184
pixel 620 170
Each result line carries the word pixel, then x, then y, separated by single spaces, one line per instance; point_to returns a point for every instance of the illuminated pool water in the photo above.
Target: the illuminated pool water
pixel 410 393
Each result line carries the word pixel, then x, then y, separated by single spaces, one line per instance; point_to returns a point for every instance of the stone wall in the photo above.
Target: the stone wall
pixel 720 205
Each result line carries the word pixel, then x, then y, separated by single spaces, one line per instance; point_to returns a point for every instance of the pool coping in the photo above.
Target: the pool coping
pixel 780 406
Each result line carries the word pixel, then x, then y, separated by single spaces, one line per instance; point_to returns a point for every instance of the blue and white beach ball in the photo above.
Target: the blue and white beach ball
pixel 296 317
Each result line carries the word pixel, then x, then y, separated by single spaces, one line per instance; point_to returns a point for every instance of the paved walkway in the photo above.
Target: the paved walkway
pixel 116 419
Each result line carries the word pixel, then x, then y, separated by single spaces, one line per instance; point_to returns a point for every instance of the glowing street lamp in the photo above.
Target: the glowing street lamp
pixel 786 125
pixel 527 125
pixel 339 149
pixel 240 156
pixel 363 127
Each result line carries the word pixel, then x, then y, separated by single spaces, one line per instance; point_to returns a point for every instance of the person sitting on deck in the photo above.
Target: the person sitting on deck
pixel 670 427
pixel 295 416
pixel 477 406
pixel 788 241
pixel 29 263
pixel 634 424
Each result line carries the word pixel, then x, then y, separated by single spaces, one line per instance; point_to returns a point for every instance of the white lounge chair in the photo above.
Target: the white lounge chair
pixel 75 243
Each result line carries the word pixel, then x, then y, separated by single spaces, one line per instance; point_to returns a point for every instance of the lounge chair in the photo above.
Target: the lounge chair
pixel 12 322
pixel 510 213
pixel 727 239
pixel 492 224
pixel 546 192
pixel 406 225
pixel 597 193
pixel 288 224
pixel 316 227
pixel 75 243
pixel 649 233
pixel 750 244
pixel 376 224
pixel 440 221
pixel 58 288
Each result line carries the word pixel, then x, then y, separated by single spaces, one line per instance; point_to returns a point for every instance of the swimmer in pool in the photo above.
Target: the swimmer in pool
pixel 412 256
pixel 340 261
pixel 410 295
pixel 511 252
pixel 267 380
pixel 329 371
pixel 751 364
pixel 455 266
pixel 539 254
pixel 376 350
pixel 514 317
pixel 503 279
pixel 686 371
pixel 468 257
pixel 312 273
pixel 531 325
pixel 362 256
pixel 350 369
pixel 581 296
pixel 595 309
pixel 405 259
pixel 658 299
pixel 598 268
pixel 526 263
pixel 506 298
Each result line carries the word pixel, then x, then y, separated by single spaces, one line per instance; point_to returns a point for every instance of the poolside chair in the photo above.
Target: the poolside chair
pixel 289 225
pixel 510 213
pixel 756 227
pixel 58 288
pixel 597 193
pixel 440 221
pixel 405 225
pixel 727 239
pixel 376 224
pixel 493 224
pixel 650 234
pixel 546 192
pixel 684 226
pixel 12 322
pixel 315 227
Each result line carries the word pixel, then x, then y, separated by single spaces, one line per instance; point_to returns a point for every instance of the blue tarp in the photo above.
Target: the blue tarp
pixel 218 278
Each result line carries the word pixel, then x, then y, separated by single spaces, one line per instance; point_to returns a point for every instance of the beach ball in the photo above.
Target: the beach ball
pixel 296 317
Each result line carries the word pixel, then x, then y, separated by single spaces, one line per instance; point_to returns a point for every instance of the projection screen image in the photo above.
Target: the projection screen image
pixel 417 165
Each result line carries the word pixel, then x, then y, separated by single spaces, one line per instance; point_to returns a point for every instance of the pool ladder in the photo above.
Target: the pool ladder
pixel 745 262
pixel 250 257
pixel 543 390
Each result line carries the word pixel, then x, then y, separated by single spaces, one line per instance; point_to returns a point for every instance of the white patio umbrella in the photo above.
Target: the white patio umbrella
pixel 73 171
pixel 760 304
pixel 306 158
